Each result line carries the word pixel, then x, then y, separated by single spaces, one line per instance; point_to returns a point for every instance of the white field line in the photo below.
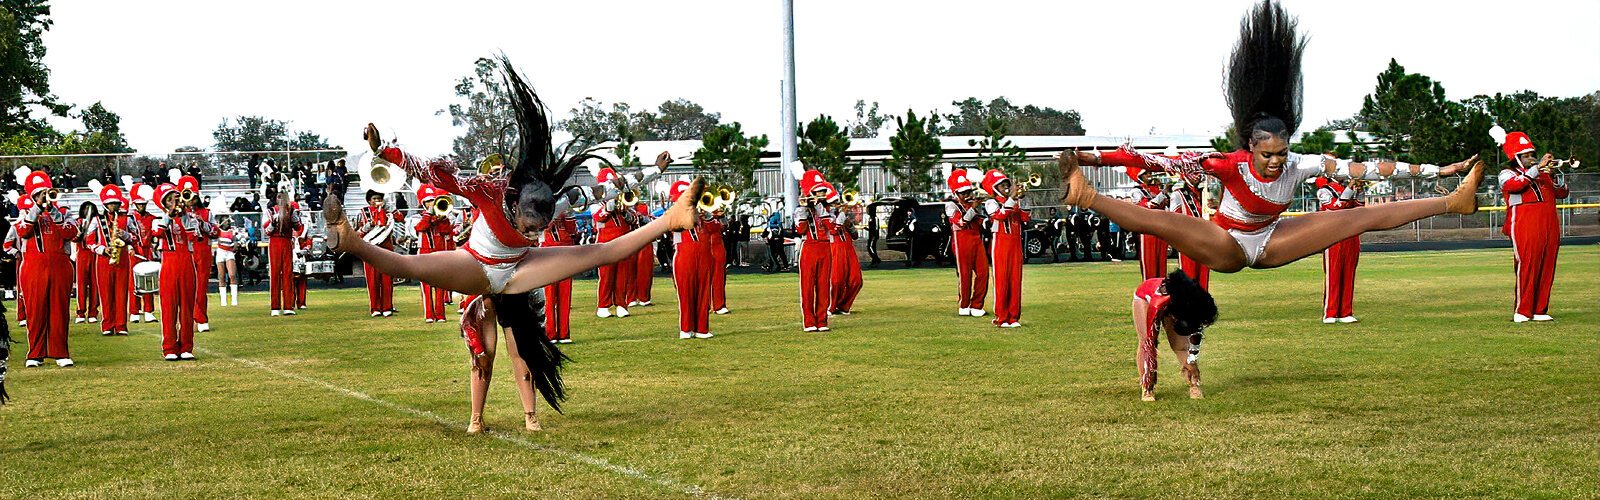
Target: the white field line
pixel 596 462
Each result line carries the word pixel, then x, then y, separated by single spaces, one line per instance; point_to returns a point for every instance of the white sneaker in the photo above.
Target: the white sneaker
pixel 1349 319
pixel 685 335
pixel 810 329
pixel 22 322
pixel 602 312
pixel 186 356
pixel 706 335
pixel 1518 318
pixel 388 313
pixel 633 303
pixel 978 312
pixel 170 357
pixel 646 303
pixel 1329 321
pixel 721 311
pixel 428 321
pixel 105 333
pixel 32 363
pixel 149 318
pixel 133 318
pixel 94 320
pixel 203 327
pixel 374 313
pixel 77 320
pixel 275 312
pixel 823 329
pixel 289 312
pixel 844 313
pixel 622 312
pixel 1543 317
pixel 963 312
pixel 565 341
pixel 64 362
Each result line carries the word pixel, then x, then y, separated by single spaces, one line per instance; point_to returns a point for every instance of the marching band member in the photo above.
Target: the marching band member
pixel 1263 85
pixel 302 283
pixel 228 244
pixel 645 268
pixel 18 252
pixel 1185 199
pixel 435 232
pixel 717 254
pixel 1006 217
pixel 281 223
pixel 189 192
pixel 47 232
pixel 1531 189
pixel 83 268
pixel 499 260
pixel 1148 193
pixel 110 238
pixel 1339 261
pixel 1183 309
pixel 813 221
pixel 562 232
pixel 612 220
pixel 144 304
pixel 842 259
pixel 177 237
pixel 380 286
pixel 966 239
pixel 691 272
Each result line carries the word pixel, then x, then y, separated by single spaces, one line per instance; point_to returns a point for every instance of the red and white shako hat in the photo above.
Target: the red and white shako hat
pixel 958 181
pixel 677 189
pixel 162 192
pixel 811 181
pixel 141 193
pixel 24 203
pixel 1512 144
pixel 189 183
pixel 606 175
pixel 830 193
pixel 111 193
pixel 427 192
pixel 35 182
pixel 992 177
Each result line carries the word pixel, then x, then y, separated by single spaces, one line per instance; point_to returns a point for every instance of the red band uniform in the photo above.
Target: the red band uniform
pixel 1152 250
pixel 717 252
pixel 144 304
pixel 846 265
pixel 435 233
pixel 645 267
pixel 280 249
pixel 1534 226
pixel 114 280
pixel 815 225
pixel 46 233
pixel 966 239
pixel 611 221
pixel 83 274
pixel 1339 261
pixel 562 231
pixel 691 273
pixel 1006 217
pixel 380 286
pixel 177 237
pixel 17 251
pixel 202 265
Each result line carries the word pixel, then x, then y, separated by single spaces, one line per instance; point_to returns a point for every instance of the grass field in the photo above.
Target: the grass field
pixel 1435 393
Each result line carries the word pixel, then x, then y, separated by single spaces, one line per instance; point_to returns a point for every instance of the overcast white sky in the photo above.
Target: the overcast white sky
pixel 174 69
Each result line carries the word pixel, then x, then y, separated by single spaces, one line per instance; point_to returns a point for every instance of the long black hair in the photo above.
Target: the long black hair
pixel 1191 306
pixel 1264 77
pixel 538 161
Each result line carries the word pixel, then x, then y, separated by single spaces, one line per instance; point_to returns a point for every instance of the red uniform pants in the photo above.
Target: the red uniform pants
pixel 557 310
pixel 718 267
pixel 972 269
pixel 48 288
pixel 279 264
pixel 114 287
pixel 141 302
pixel 202 277
pixel 846 276
pixel 88 301
pixel 1339 278
pixel 1152 256
pixel 1535 239
pixel 380 289
pixel 691 277
pixel 177 301
pixel 616 283
pixel 816 282
pixel 1007 255
pixel 1200 274
pixel 645 269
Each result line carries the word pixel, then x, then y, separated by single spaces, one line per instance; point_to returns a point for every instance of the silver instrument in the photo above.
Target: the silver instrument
pixel 147 277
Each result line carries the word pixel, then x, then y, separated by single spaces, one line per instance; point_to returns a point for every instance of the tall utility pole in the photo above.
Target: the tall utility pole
pixel 791 186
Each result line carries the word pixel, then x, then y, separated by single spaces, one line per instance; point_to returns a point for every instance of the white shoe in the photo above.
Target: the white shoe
pixel 810 329
pixel 388 313
pixel 32 363
pixel 963 312
pixel 633 303
pixel 22 322
pixel 685 335
pixel 94 320
pixel 77 321
pixel 374 313
pixel 823 329
pixel 1349 319
pixel 203 327
pixel 133 318
pixel 1518 318
pixel 565 341
pixel 105 333
pixel 844 313
pixel 1329 321
pixel 149 318
pixel 170 357
pixel 428 321
pixel 721 311
pixel 978 312
pixel 64 362
pixel 602 312
pixel 622 312
pixel 275 312
pixel 706 335
pixel 289 312
pixel 186 356
pixel 1543 317
pixel 646 303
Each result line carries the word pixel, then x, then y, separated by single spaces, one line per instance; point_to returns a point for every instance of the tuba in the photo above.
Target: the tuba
pixel 377 174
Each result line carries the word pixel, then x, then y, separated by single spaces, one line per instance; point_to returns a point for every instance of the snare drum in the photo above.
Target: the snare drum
pixel 319 268
pixel 147 276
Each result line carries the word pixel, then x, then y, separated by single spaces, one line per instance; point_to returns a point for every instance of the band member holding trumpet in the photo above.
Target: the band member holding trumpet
pixel 1531 188
pixel 177 236
pixel 612 219
pixel 144 304
pixel 966 237
pixel 46 232
pixel 1339 261
pixel 83 268
pixel 375 221
pixel 813 220
pixel 109 239
pixel 281 224
pixel 1006 217
pixel 189 196
pixel 846 266
pixel 435 233
pixel 691 266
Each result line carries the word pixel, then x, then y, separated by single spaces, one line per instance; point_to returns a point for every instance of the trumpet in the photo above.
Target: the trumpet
pixel 491 164
pixel 629 198
pixel 850 198
pixel 1033 182
pixel 708 202
pixel 52 196
pixel 725 195
pixel 441 206
pixel 188 197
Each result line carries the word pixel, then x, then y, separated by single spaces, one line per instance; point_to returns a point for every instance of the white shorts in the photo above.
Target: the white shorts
pixel 499 275
pixel 1253 242
pixel 221 255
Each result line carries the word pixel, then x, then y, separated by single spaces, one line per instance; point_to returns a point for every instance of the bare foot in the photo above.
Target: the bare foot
pixel 683 214
pixel 1464 200
pixel 531 422
pixel 1194 392
pixel 1075 188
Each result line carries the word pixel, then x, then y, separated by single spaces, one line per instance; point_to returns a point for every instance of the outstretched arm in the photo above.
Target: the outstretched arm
pixel 1383 169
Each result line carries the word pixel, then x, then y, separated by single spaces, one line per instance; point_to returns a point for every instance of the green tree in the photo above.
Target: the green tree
pixel 486 113
pixel 102 130
pixel 251 133
pixel 995 151
pixel 1412 120
pixel 1560 126
pixel 972 115
pixel 24 79
pixel 914 152
pixel 625 150
pixel 677 119
pixel 728 157
pixel 680 119
pixel 867 122
pixel 825 146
